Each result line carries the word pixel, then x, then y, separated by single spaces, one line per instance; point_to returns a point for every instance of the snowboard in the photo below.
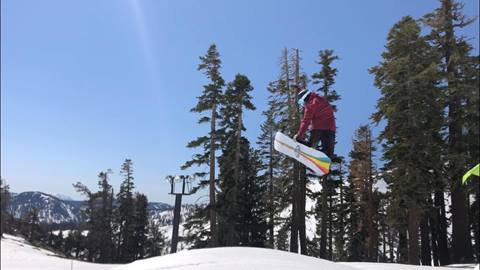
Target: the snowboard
pixel 315 160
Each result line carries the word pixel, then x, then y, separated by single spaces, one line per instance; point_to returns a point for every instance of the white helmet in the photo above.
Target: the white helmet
pixel 302 96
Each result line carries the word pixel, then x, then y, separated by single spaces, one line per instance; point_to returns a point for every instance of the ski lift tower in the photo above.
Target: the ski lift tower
pixel 186 189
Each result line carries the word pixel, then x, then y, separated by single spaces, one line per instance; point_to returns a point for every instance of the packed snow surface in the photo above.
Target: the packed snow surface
pixel 17 254
pixel 396 266
pixel 233 258
pixel 242 258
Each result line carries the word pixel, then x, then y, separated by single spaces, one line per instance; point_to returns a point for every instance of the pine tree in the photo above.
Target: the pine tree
pixel 237 220
pixel 196 235
pixel 408 79
pixel 354 239
pixel 255 212
pixel 210 100
pixel 281 97
pixel 59 242
pixel 70 245
pixel 299 171
pixel 461 85
pixel 291 177
pixel 75 244
pixel 341 210
pixel 362 173
pixel 31 228
pixel 269 159
pixel 99 212
pixel 125 215
pixel 4 205
pixel 155 241
pixel 325 79
pixel 140 226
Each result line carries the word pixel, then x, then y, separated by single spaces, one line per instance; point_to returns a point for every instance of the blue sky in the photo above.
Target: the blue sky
pixel 86 84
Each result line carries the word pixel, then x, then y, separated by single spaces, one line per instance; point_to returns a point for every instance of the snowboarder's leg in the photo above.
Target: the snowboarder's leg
pixel 327 137
pixel 315 137
pixel 313 141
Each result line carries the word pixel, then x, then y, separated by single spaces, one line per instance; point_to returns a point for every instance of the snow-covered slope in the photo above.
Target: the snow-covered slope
pixel 243 258
pixel 396 266
pixel 233 258
pixel 16 254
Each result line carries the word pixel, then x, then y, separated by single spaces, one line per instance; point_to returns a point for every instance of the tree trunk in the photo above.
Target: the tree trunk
pixel 295 212
pixel 302 213
pixel 271 226
pixel 461 240
pixel 330 230
pixel 212 206
pixel 341 223
pixel 442 240
pixel 323 222
pixel 233 237
pixel 434 242
pixel 413 226
pixel 372 234
pixel 402 246
pixel 475 225
pixel 425 241
pixel 384 246
pixel 390 245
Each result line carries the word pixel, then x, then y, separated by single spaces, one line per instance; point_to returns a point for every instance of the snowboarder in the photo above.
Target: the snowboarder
pixel 318 114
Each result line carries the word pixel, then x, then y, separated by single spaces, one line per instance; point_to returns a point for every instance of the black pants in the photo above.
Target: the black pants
pixel 327 139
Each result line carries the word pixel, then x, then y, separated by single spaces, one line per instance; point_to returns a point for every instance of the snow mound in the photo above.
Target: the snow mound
pixel 18 254
pixel 398 266
pixel 233 258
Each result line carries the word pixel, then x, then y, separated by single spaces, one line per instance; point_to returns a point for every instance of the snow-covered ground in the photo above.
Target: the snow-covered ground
pixel 396 266
pixel 242 258
pixel 17 254
pixel 233 258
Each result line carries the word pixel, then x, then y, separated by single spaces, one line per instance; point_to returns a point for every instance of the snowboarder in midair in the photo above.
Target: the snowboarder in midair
pixel 318 115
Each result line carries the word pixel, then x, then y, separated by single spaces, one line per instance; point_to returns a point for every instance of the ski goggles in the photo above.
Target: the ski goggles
pixel 301 100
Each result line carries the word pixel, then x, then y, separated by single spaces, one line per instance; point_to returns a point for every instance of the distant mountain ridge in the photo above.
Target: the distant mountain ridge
pixel 54 210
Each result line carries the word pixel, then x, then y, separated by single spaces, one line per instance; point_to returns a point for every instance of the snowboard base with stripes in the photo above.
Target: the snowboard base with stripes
pixel 315 160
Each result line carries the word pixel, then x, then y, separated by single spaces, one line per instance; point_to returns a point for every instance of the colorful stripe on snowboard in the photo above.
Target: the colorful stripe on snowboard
pixel 322 163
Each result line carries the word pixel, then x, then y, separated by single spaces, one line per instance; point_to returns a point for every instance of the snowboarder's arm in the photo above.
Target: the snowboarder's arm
pixel 307 119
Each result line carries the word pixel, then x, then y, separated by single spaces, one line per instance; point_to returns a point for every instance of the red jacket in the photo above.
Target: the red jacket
pixel 318 113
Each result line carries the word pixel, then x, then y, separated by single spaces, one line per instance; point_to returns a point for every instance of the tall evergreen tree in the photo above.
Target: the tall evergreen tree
pixel 156 240
pixel 291 178
pixel 4 205
pixel 125 214
pixel 408 79
pixel 196 235
pixel 140 226
pixel 354 239
pixel 269 159
pixel 235 167
pixel 99 211
pixel 460 86
pixel 299 213
pixel 209 101
pixel 31 228
pixel 325 79
pixel 281 99
pixel 367 199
